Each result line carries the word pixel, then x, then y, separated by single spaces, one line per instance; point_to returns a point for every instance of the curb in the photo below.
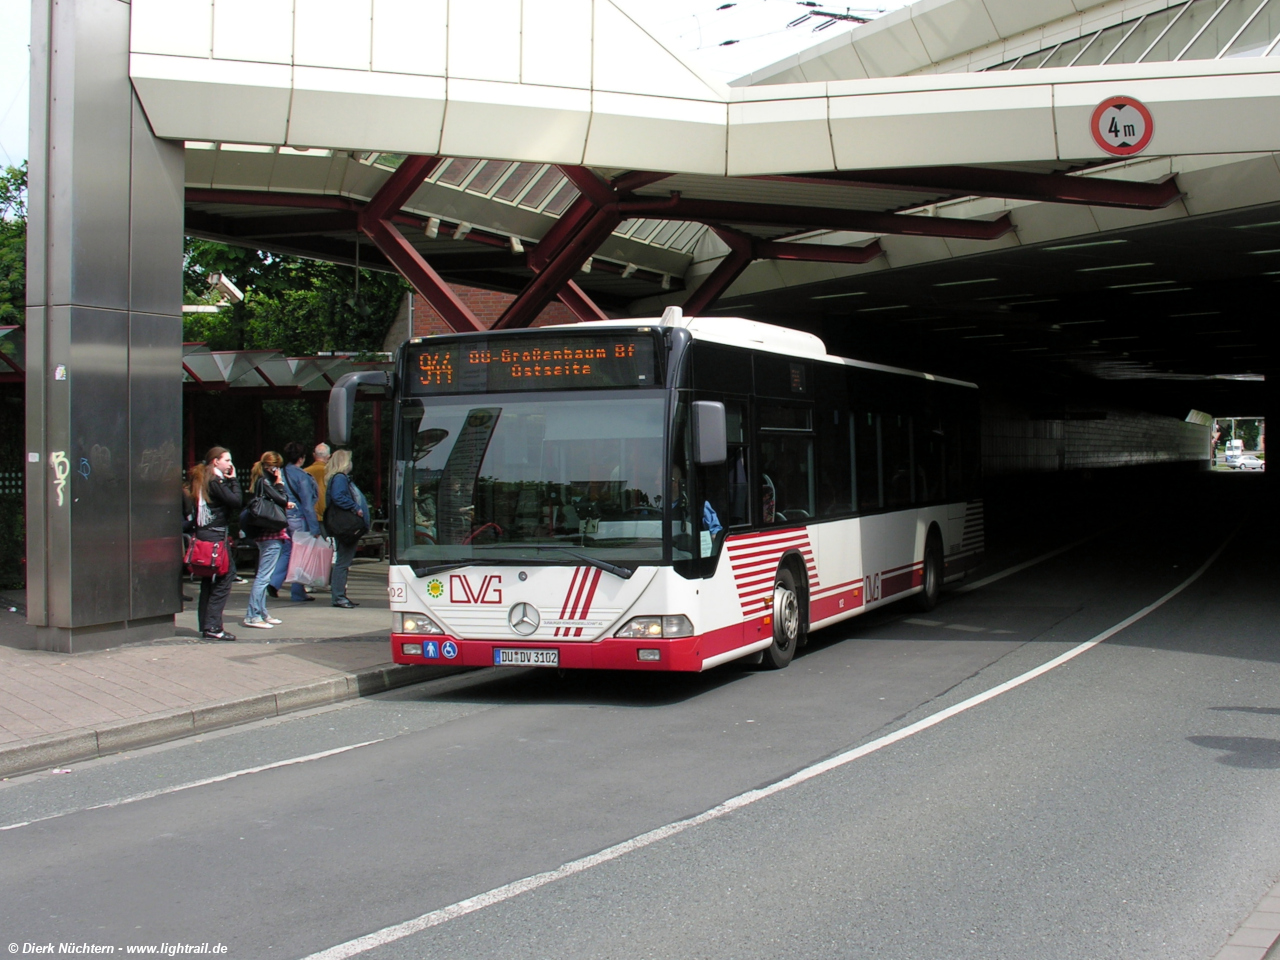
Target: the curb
pixel 78 745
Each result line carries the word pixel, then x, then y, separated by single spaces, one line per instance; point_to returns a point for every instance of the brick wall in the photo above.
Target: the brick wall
pixel 1016 441
pixel 487 305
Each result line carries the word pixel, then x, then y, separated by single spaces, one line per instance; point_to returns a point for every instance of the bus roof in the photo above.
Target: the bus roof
pixel 740 332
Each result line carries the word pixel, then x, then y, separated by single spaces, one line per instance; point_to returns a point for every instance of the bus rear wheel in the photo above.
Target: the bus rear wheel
pixel 787 621
pixel 931 588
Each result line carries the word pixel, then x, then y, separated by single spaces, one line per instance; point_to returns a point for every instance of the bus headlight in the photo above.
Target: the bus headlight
pixel 414 623
pixel 649 628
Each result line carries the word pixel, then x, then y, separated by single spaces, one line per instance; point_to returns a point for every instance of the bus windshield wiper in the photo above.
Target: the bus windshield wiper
pixel 621 572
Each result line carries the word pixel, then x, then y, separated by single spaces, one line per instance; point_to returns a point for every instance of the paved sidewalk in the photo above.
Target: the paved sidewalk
pixel 57 708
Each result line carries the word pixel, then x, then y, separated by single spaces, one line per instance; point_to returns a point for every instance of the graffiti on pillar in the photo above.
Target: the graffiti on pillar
pixel 84 469
pixel 61 467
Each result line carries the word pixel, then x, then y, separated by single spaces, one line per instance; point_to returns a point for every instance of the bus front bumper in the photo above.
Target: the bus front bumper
pixel 610 653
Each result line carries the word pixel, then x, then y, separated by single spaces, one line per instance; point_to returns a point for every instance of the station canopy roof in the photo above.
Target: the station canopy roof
pixel 923 189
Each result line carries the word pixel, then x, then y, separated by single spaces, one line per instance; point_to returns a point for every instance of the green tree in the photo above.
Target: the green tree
pixel 290 304
pixel 13 245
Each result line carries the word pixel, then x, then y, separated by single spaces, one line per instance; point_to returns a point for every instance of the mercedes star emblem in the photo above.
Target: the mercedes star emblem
pixel 524 619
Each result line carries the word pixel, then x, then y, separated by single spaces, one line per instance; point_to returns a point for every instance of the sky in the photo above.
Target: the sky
pixel 696 29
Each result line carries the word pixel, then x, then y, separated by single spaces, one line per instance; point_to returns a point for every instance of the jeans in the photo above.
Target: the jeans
pixel 268 555
pixel 342 557
pixel 296 592
pixel 213 597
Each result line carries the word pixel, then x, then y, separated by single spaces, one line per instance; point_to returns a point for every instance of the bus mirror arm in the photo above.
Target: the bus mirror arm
pixel 710 434
pixel 342 401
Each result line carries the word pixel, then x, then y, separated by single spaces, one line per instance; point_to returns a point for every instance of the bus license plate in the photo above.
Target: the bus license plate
pixel 515 657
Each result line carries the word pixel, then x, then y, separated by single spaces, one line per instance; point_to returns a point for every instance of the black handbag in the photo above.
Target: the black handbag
pixel 265 513
pixel 343 524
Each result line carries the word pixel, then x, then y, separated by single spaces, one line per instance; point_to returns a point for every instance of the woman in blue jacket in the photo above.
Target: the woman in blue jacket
pixel 341 493
pixel 300 487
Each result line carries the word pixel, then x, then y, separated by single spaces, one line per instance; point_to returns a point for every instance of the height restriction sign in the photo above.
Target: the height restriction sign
pixel 1122 126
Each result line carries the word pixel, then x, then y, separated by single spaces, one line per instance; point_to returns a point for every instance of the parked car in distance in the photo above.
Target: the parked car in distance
pixel 1249 462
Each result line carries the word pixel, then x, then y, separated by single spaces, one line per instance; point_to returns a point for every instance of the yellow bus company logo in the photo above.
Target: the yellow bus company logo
pixel 435 589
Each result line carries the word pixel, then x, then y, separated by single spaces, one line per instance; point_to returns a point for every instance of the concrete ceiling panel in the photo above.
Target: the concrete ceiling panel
pixel 905 251
pixel 651 133
pixel 1113 218
pixel 484 119
pixel 556 43
pixel 948 28
pixel 842 63
pixel 199 99
pixel 332 33
pixel 965 248
pixel 1043 222
pixel 366 111
pixel 235 170
pixel 943 127
pixel 260 31
pixel 199 167
pixel 893 51
pixel 410 36
pixel 301 174
pixel 627 59
pixel 779 135
pixel 179 28
pixel 1012 17
pixel 1222 187
pixel 484 40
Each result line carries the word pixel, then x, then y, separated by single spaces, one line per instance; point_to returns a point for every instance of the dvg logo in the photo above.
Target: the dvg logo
pixel 523 619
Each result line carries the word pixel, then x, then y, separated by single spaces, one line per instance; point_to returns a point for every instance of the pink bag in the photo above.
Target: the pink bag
pixel 310 560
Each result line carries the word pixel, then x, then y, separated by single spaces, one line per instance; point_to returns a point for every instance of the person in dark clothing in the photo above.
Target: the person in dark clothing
pixel 217 494
pixel 301 488
pixel 266 482
pixel 342 494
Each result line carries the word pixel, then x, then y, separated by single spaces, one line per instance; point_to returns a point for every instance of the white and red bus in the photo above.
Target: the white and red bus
pixel 663 495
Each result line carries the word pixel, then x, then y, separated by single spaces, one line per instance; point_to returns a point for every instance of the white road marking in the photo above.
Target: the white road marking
pixel 150 794
pixel 508 891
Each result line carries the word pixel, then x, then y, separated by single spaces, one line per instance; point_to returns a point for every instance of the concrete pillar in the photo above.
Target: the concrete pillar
pixel 104 340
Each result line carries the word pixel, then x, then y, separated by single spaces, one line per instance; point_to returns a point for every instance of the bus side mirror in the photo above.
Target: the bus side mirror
pixel 710 443
pixel 342 402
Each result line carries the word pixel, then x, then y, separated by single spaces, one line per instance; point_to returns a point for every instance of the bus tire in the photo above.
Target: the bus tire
pixel 787 621
pixel 931 588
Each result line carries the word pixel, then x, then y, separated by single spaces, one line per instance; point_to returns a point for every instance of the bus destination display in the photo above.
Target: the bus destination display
pixel 532 363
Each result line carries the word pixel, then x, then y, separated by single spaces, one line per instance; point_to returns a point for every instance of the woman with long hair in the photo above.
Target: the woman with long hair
pixel 216 493
pixel 266 481
pixel 342 494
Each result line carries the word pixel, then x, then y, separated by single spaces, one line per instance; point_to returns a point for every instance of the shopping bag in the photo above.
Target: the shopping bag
pixel 309 561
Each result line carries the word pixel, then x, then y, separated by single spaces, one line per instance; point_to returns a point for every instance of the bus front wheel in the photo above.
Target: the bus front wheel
pixel 931 588
pixel 786 621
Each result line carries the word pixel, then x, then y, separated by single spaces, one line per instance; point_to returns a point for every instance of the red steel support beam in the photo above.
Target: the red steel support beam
pixel 825 218
pixel 741 253
pixel 559 271
pixel 743 249
pixel 375 223
pixel 579 304
pixel 1008 184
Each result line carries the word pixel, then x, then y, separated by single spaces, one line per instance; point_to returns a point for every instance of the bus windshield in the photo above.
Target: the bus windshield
pixel 487 479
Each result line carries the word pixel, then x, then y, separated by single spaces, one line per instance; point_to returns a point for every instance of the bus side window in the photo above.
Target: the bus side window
pixel 835 475
pixel 895 433
pixel 786 464
pixel 866 445
pixel 726 486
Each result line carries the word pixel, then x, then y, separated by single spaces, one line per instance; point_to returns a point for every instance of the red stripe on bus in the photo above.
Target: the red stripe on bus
pixel 586 607
pixel 564 607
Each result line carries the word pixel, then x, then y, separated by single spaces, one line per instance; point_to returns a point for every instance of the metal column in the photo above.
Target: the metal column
pixel 104 347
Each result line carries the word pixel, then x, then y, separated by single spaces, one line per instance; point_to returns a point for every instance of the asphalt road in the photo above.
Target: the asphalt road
pixel 1123 804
